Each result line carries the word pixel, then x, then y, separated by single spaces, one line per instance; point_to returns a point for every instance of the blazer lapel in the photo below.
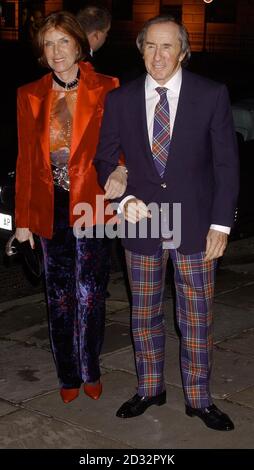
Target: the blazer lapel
pixel 140 113
pixel 41 105
pixel 89 93
pixel 184 114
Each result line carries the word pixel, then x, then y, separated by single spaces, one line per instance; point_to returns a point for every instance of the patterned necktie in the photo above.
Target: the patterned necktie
pixel 161 131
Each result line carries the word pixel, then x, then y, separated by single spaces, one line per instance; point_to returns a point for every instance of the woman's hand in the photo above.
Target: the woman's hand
pixel 116 183
pixel 24 234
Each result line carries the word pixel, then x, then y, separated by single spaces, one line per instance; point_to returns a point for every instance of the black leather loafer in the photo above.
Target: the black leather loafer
pixel 137 405
pixel 212 417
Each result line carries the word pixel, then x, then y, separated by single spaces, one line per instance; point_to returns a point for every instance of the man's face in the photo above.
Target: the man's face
pixel 38 18
pixel 162 51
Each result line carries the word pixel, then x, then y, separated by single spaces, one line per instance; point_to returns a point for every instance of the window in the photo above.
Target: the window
pixel 7 14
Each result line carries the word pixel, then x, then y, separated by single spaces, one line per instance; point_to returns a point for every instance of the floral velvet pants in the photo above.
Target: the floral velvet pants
pixel 76 272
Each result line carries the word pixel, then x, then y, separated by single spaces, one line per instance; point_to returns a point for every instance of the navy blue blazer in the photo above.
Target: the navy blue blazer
pixel 202 166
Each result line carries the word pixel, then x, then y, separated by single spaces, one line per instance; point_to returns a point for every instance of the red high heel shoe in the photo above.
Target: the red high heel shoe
pixel 93 390
pixel 69 394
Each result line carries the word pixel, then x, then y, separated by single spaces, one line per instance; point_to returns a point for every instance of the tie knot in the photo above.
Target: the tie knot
pixel 162 91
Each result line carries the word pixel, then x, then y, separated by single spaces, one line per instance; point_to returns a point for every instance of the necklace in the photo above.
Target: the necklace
pixel 68 85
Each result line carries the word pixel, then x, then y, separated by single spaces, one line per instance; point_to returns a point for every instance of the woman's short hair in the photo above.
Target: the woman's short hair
pixel 183 35
pixel 67 22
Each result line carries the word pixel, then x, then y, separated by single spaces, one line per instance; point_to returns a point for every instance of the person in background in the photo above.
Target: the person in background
pixel 25 24
pixel 59 118
pixel 176 131
pixel 96 23
pixel 35 20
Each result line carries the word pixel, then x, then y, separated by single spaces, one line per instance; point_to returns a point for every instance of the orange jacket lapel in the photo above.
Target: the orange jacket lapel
pixel 40 101
pixel 88 96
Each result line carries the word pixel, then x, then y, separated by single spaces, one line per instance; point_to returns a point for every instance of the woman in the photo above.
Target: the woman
pixel 58 124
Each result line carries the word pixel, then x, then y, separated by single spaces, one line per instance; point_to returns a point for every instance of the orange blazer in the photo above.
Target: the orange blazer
pixel 34 184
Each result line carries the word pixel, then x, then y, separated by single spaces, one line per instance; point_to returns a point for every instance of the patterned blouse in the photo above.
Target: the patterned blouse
pixel 61 119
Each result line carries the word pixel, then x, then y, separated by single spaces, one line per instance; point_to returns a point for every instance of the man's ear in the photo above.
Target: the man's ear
pixel 181 56
pixel 96 35
pixel 92 39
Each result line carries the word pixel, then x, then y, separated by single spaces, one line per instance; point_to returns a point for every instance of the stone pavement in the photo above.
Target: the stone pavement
pixel 32 415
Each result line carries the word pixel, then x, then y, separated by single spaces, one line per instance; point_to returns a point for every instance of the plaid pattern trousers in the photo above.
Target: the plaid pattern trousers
pixel 194 283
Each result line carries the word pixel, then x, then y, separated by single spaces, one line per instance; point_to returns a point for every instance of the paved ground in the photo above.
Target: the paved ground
pixel 16 281
pixel 32 416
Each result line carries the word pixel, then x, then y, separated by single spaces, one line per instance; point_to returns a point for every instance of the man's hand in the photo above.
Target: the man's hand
pixel 24 234
pixel 135 210
pixel 116 183
pixel 216 243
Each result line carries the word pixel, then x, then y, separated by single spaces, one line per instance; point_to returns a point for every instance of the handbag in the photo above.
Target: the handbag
pixel 32 257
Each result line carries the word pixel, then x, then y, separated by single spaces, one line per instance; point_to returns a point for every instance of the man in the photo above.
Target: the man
pixel 35 22
pixel 96 23
pixel 176 132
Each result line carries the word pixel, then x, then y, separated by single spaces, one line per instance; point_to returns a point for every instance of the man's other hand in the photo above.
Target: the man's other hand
pixel 216 243
pixel 135 210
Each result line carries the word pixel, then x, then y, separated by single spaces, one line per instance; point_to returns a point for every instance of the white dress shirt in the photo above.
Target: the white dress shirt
pixel 152 98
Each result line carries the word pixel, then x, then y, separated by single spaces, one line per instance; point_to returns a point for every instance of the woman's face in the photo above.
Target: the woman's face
pixel 60 50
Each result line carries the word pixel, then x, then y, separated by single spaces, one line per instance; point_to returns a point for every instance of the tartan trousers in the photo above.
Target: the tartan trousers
pixel 194 284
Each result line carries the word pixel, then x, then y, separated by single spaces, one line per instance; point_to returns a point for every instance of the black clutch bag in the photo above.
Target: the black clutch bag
pixel 31 256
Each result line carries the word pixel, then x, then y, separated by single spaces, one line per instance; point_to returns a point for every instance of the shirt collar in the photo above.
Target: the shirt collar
pixel 173 84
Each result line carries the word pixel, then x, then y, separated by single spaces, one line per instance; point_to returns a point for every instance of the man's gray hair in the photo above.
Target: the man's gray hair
pixel 183 35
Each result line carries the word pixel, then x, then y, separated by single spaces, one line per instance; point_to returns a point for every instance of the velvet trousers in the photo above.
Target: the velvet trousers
pixel 76 273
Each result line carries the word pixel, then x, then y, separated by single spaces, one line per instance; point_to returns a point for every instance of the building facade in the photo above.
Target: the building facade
pixel 220 26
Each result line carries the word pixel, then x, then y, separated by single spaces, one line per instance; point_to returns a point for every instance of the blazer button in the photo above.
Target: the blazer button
pixel 163 185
